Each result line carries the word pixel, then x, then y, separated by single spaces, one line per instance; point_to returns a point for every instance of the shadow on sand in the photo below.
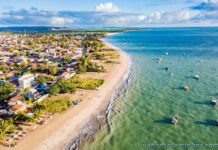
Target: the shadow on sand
pixel 207 122
pixel 205 102
pixel 164 121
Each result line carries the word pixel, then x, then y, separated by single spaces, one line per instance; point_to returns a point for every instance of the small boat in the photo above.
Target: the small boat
pixel 186 88
pixel 175 119
pixel 159 60
pixel 213 101
pixel 197 77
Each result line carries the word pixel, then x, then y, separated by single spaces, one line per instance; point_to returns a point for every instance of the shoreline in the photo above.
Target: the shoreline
pixel 62 128
pixel 88 132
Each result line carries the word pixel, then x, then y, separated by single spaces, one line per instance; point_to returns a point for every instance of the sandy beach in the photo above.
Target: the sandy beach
pixel 59 130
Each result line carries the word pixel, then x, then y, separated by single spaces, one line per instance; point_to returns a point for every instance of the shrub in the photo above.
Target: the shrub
pixel 86 83
pixel 52 105
pixel 54 90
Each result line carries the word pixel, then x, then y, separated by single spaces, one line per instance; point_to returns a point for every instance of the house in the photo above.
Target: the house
pixel 32 94
pixel 17 100
pixel 72 70
pixel 26 81
pixel 41 88
pixel 16 108
pixel 65 75
pixel 16 104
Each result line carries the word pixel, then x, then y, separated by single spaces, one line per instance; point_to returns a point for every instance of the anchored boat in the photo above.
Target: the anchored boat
pixel 213 101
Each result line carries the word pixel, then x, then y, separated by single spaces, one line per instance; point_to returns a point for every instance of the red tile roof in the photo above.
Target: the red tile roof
pixel 16 98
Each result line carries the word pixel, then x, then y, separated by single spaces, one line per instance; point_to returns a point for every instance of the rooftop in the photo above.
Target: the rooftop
pixel 27 76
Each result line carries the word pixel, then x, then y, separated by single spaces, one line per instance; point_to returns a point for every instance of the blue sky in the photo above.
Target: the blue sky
pixel 141 13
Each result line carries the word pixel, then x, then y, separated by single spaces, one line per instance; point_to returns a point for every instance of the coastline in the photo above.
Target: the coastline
pixel 62 128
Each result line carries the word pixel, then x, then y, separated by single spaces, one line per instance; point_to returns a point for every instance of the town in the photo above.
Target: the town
pixel 35 66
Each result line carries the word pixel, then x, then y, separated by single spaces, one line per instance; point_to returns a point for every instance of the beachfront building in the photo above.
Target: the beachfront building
pixel 32 94
pixel 16 104
pixel 26 81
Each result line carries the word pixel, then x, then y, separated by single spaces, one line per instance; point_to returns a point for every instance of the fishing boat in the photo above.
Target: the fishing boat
pixel 186 88
pixel 197 77
pixel 213 101
pixel 159 60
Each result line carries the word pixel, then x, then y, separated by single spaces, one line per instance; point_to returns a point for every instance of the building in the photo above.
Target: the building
pixel 17 100
pixel 65 75
pixel 17 104
pixel 26 81
pixel 32 94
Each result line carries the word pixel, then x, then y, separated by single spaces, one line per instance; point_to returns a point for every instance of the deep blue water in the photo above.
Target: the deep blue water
pixel 154 94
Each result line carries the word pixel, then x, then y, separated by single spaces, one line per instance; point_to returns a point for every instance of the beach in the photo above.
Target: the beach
pixel 142 114
pixel 62 128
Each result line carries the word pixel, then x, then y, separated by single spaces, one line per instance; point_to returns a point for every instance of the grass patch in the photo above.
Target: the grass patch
pixel 86 83
pixel 53 105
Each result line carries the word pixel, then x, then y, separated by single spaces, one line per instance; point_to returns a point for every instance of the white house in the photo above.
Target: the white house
pixel 26 81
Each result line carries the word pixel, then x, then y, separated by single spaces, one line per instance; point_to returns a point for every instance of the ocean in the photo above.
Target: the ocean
pixel 142 113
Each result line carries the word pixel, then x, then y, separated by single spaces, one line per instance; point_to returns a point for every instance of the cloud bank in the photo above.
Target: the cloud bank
pixel 107 14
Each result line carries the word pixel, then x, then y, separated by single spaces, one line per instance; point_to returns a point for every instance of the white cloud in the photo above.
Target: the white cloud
pixel 107 14
pixel 212 1
pixel 107 7
pixel 175 17
pixel 19 17
pixel 154 16
pixel 61 21
pixel 141 17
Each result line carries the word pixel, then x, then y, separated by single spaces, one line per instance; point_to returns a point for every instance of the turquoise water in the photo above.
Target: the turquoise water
pixel 154 95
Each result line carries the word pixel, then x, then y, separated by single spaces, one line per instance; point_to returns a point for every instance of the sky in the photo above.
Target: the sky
pixel 99 13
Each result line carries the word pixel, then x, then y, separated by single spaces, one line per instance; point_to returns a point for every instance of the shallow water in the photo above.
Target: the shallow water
pixel 154 94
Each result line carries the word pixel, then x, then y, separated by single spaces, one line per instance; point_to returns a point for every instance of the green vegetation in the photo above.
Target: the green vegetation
pixel 41 80
pixel 50 69
pixel 70 85
pixel 112 55
pixel 85 65
pixel 5 90
pixel 53 105
pixel 53 70
pixel 6 127
pixel 66 87
pixel 86 83
pixel 54 90
pixel 67 59
pixel 100 56
pixel 92 42
pixel 48 77
pixel 62 86
pixel 21 116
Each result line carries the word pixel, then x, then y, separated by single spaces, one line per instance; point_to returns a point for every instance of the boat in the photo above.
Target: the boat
pixel 197 77
pixel 174 119
pixel 159 60
pixel 186 88
pixel 213 101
